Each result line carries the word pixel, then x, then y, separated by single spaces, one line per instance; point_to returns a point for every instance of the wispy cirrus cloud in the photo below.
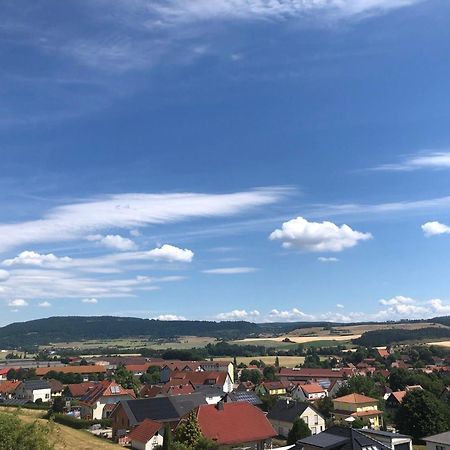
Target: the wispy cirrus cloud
pixel 230 270
pixel 424 160
pixel 130 211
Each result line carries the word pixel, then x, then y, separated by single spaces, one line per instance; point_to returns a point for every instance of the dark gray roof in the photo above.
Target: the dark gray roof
pixel 161 409
pixel 343 438
pixel 441 438
pixel 288 410
pixel 35 384
pixel 209 390
pixel 387 434
pixel 245 396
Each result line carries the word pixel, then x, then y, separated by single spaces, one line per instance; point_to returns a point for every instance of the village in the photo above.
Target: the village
pixel 146 404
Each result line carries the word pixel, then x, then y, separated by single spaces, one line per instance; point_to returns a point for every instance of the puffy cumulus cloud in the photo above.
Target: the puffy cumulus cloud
pixel 170 253
pixel 238 314
pixel 92 301
pixel 131 211
pixel 32 258
pixel 327 259
pixel 439 307
pixel 398 300
pixel 230 270
pixel 44 304
pixel 317 237
pixel 18 303
pixel 4 275
pixel 435 228
pixel 114 241
pixel 169 317
pixel 289 315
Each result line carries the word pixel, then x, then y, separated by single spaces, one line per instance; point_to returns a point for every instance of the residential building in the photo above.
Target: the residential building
pixel 284 413
pixel 8 389
pixel 33 390
pixel 314 375
pixel 359 407
pixel 147 435
pixel 235 425
pixel 309 392
pixel 219 366
pixel 395 441
pixel 78 390
pixel 243 396
pixel 56 387
pixel 99 401
pixel 273 387
pixel 127 414
pixel 439 441
pixel 84 371
pixel 339 438
pixel 200 378
pixel 4 373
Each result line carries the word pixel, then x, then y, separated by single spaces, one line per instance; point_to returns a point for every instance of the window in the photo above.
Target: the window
pixel 316 419
pixel 313 430
pixel 440 447
pixel 306 419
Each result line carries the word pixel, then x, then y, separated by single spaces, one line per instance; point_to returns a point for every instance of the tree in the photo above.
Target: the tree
pixel 168 439
pixel 269 373
pixel 188 432
pixel 58 405
pixel 277 362
pixel 298 431
pixel 421 414
pixel 325 406
pixel 14 435
pixel 125 378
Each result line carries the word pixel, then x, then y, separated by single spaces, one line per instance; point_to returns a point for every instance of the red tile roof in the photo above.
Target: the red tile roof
pixel 138 367
pixel 383 352
pixel 236 423
pixel 80 389
pixel 105 389
pixel 355 398
pixel 399 395
pixel 311 373
pixel 8 387
pixel 207 377
pixel 5 371
pixel 180 390
pixel 145 431
pixel 314 388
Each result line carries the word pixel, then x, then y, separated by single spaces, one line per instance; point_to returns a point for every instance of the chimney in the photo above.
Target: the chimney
pixel 220 405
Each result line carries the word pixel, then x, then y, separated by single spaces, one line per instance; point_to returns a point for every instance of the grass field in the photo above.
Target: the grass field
pixel 64 438
pixel 330 340
pixel 441 343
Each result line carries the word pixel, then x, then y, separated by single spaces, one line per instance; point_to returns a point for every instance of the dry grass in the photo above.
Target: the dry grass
pixel 441 343
pixel 285 361
pixel 64 438
pixel 300 339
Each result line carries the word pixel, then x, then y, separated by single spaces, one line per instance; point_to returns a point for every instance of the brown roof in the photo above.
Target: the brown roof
pixel 55 385
pixel 399 395
pixel 41 371
pixel 370 412
pixel 312 388
pixel 355 398
pixel 145 431
pixel 312 373
pixel 207 377
pixel 80 389
pixel 138 367
pixel 234 423
pixel 105 389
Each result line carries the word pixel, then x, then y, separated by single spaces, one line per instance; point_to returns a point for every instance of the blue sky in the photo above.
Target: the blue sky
pixel 227 159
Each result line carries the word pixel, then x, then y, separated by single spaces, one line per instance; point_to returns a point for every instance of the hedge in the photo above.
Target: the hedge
pixel 78 424
pixel 42 406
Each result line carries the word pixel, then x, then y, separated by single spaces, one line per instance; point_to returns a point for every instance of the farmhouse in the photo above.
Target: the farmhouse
pixel 33 390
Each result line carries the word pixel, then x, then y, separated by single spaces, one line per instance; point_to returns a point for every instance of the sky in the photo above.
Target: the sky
pixel 262 160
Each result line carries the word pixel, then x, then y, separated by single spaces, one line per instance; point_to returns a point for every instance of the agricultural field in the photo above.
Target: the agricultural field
pixel 441 343
pixel 277 342
pixel 62 436
pixel 184 342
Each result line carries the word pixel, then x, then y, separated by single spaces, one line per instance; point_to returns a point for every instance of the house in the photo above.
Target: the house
pixel 84 371
pixel 34 390
pixel 359 407
pixel 395 399
pixel 8 389
pixel 99 401
pixel 243 396
pixel 338 438
pixel 309 392
pixel 395 441
pixel 76 391
pixel 147 435
pixel 127 414
pixel 383 352
pixel 169 368
pixel 4 373
pixel 219 366
pixel 237 424
pixel 313 375
pixel 284 413
pixel 56 388
pixel 273 388
pixel 138 369
pixel 221 379
pixel 439 441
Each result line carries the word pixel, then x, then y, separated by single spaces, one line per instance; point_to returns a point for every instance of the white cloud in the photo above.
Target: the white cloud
pixel 4 275
pixel 169 317
pixel 439 307
pixel 45 304
pixel 407 307
pixel 130 211
pixel 32 258
pixel 290 315
pixel 114 241
pixel 135 233
pixel 230 270
pixel 238 314
pixel 89 300
pixel 340 305
pixel 18 303
pixel 170 253
pixel 429 160
pixel 317 237
pixel 327 259
pixel 435 228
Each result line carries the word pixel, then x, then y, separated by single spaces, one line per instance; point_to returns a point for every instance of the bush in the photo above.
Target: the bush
pixel 78 424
